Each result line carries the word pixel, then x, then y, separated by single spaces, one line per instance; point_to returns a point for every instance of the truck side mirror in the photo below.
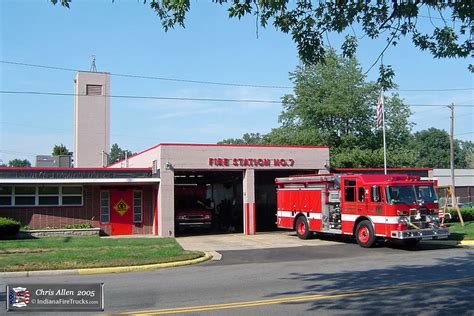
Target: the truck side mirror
pixel 376 193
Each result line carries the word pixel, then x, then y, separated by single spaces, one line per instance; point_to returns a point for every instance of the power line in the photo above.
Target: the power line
pixel 155 78
pixel 210 82
pixel 140 97
pixel 180 98
pixel 464 133
pixel 14 153
pixel 432 90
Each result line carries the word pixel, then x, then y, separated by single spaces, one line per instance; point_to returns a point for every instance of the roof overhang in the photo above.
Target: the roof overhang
pixel 82 181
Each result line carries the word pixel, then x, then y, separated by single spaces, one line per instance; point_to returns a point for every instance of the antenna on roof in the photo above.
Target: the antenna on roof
pixel 93 67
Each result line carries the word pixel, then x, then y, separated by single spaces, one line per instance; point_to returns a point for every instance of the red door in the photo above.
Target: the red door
pixel 121 211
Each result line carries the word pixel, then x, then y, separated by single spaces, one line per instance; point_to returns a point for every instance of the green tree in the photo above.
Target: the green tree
pixel 19 163
pixel 331 100
pixel 118 154
pixel 309 22
pixel 247 138
pixel 432 149
pixel 467 148
pixel 60 150
pixel 333 105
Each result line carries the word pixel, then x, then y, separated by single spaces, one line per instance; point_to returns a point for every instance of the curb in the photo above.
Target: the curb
pixel 146 267
pixel 467 242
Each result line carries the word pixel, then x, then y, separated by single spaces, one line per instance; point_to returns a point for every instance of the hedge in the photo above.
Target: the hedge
pixel 8 227
pixel 467 214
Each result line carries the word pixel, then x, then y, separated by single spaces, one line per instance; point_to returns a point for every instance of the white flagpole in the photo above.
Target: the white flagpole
pixel 384 140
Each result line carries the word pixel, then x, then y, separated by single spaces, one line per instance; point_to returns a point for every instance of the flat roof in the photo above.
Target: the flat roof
pixel 81 181
pixel 76 175
pixel 217 145
pixel 378 169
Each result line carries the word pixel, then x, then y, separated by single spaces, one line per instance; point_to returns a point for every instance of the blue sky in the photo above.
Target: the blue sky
pixel 127 37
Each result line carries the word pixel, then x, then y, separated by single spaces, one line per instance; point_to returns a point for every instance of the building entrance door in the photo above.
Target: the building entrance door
pixel 121 211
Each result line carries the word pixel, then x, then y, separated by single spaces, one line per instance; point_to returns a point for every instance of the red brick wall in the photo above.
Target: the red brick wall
pixel 89 213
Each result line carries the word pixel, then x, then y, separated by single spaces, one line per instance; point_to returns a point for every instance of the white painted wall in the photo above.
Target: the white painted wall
pixel 462 177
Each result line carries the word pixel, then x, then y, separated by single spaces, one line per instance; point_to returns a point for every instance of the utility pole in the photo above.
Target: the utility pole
pixel 453 183
pixel 451 145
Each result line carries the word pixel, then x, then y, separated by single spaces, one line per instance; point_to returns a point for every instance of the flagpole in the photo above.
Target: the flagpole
pixel 383 127
pixel 383 132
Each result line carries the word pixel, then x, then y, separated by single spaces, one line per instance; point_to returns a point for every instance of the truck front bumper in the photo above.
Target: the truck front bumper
pixel 194 224
pixel 429 233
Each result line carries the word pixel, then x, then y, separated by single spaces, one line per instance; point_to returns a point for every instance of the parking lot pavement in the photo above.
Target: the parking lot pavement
pixel 268 240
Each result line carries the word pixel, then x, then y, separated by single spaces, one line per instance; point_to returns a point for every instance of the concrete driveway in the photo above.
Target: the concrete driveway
pixel 226 242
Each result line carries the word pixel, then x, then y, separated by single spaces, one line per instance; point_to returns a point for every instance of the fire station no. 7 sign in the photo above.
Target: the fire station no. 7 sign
pixel 251 162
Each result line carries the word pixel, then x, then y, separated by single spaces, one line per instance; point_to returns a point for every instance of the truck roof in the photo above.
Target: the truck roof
pixel 365 178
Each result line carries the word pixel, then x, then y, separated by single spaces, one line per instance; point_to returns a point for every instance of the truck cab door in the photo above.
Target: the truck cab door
pixel 349 205
pixel 376 209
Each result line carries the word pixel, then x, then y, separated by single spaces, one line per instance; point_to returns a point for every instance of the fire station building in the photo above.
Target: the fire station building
pixel 141 195
pixel 138 195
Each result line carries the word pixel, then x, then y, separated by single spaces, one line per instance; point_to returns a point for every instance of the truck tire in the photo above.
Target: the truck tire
pixel 302 228
pixel 365 235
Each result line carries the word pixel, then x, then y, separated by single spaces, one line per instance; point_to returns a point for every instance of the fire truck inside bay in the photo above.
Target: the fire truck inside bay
pixel 370 207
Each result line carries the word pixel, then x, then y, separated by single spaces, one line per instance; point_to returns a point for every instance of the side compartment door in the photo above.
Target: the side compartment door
pixel 284 208
pixel 315 204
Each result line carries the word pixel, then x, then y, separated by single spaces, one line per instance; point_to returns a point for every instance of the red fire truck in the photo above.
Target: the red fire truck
pixel 369 207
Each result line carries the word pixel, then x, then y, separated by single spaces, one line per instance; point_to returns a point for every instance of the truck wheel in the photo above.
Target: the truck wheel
pixel 365 235
pixel 302 228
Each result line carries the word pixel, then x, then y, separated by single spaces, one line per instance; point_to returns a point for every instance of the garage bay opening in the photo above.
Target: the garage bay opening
pixel 208 202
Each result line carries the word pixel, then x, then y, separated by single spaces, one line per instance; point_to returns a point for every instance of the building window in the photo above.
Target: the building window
pixel 93 89
pixel 48 195
pixel 71 195
pixel 105 207
pixel 6 195
pixel 41 195
pixel 137 207
pixel 25 196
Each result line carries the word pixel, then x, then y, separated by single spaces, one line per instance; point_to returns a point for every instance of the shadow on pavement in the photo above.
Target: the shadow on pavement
pixel 451 299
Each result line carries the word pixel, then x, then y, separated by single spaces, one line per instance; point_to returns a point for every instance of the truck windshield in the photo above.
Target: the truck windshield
pixel 401 194
pixel 426 194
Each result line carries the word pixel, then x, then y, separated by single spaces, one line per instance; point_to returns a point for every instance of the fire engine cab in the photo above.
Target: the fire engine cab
pixel 367 206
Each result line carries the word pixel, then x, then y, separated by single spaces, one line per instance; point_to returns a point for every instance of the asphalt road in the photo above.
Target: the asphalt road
pixel 335 279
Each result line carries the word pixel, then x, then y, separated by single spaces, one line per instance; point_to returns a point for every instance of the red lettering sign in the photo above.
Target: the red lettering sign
pixel 251 162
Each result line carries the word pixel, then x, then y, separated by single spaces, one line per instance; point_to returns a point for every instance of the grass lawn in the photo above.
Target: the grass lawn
pixel 51 253
pixel 461 233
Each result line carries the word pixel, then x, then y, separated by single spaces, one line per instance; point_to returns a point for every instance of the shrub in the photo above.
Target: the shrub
pixel 8 227
pixel 467 214
pixel 77 226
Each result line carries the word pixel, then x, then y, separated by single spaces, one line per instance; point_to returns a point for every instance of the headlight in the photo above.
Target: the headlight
pixel 402 223
pixel 403 219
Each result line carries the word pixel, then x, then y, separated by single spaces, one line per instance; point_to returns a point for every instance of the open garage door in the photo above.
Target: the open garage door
pixel 208 202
